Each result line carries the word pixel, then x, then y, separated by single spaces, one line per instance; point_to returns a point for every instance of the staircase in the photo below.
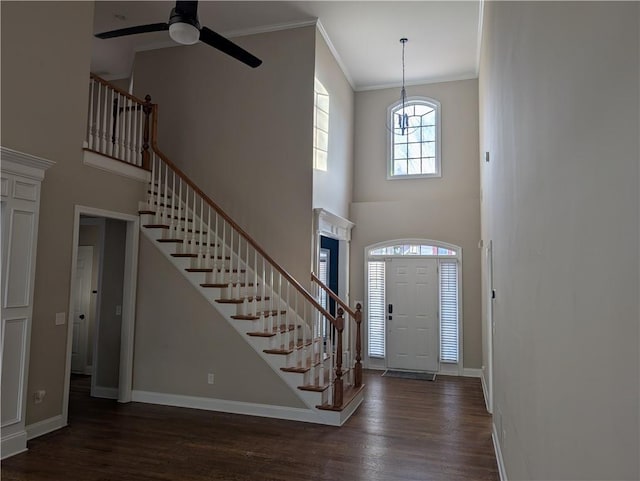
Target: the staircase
pixel 296 336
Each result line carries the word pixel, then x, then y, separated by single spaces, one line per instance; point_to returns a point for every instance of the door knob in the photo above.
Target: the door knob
pixel 81 316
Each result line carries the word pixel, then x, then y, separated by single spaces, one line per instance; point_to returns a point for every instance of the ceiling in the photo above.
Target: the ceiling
pixel 364 36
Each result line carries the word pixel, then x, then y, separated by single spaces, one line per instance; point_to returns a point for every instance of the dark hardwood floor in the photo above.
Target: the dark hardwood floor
pixel 404 430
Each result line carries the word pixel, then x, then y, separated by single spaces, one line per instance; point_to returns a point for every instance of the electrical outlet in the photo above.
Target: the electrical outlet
pixel 118 310
pixel 38 396
pixel 60 318
pixel 210 378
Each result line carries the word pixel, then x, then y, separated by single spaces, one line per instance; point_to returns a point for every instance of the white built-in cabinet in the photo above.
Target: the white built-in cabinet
pixel 21 176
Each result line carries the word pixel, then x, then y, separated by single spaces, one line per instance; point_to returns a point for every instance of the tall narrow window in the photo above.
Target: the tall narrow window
pixel 415 150
pixel 375 304
pixel 448 311
pixel 320 127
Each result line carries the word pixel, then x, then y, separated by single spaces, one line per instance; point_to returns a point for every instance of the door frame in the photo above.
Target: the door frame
pixel 128 301
pixel 487 376
pixel 375 363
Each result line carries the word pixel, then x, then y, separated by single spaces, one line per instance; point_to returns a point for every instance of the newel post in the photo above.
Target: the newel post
pixel 358 366
pixel 146 109
pixel 338 386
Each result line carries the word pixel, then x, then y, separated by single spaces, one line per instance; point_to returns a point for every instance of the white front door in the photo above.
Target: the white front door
pixel 81 311
pixel 412 314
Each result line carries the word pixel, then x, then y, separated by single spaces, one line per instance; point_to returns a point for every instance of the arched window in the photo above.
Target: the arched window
pixel 414 149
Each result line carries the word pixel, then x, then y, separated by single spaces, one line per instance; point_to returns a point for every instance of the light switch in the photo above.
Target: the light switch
pixel 118 310
pixel 60 318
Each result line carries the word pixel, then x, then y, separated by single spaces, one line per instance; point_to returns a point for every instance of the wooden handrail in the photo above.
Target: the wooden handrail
pixel 333 295
pixel 113 87
pixel 252 242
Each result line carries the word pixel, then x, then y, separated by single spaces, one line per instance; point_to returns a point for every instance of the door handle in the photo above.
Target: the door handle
pixel 81 316
pixel 390 308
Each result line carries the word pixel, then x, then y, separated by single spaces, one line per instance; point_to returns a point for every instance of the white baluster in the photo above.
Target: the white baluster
pixel 201 247
pixel 178 226
pixel 207 251
pixel 111 97
pixel 224 244
pixel 185 237
pixel 216 261
pixel 265 319
pixel 152 184
pixel 173 203
pixel 105 126
pixel 98 120
pixel 194 245
pixel 91 121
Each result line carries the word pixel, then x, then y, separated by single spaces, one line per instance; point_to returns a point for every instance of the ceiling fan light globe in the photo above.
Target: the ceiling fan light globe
pixel 184 33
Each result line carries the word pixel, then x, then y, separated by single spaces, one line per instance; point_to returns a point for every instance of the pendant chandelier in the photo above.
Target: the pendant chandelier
pixel 403 118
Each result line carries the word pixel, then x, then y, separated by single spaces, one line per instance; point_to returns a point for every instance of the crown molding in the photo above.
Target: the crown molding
pixel 24 164
pixel 479 39
pixel 335 54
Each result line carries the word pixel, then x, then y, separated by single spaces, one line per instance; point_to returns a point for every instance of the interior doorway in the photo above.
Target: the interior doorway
pixel 102 303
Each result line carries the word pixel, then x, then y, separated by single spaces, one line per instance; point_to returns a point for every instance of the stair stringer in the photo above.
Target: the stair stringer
pixel 259 344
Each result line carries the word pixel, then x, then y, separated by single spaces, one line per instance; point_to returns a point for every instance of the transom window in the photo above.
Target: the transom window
pixel 414 141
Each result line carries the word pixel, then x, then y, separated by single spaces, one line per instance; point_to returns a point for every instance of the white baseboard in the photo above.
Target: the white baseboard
pixel 13 444
pixel 485 390
pixel 496 446
pixel 472 372
pixel 223 405
pixel 45 426
pixel 104 392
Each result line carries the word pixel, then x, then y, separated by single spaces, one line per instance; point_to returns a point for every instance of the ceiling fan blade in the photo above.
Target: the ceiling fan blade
pixel 154 27
pixel 216 40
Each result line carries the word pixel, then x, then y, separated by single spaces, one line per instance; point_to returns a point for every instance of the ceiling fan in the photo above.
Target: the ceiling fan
pixel 185 29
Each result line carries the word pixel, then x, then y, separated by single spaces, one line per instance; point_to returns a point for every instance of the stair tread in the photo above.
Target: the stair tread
pixel 210 269
pixel 259 315
pixel 182 240
pixel 240 301
pixel 300 370
pixel 222 285
pixel 195 256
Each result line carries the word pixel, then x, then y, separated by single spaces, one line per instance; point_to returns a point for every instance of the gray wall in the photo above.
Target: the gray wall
pixel 44 109
pixel 445 209
pixel 244 135
pixel 559 96
pixel 332 188
pixel 180 338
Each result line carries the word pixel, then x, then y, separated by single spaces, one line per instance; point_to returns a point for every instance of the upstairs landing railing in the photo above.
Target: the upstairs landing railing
pixel 124 127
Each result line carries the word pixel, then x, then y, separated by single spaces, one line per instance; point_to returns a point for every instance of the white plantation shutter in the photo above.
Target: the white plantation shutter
pixel 322 275
pixel 376 311
pixel 448 311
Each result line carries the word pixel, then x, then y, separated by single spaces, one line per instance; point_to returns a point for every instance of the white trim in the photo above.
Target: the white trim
pixel 335 53
pixel 275 27
pixel 413 83
pixel 485 392
pixel 104 392
pixel 128 306
pixel 44 427
pixel 499 459
pixel 26 165
pixel 472 372
pixel 227 406
pixel 479 35
pixel 13 444
pixel 115 166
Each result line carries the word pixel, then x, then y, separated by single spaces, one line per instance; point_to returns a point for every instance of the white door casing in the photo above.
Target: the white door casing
pixel 412 326
pixel 82 309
